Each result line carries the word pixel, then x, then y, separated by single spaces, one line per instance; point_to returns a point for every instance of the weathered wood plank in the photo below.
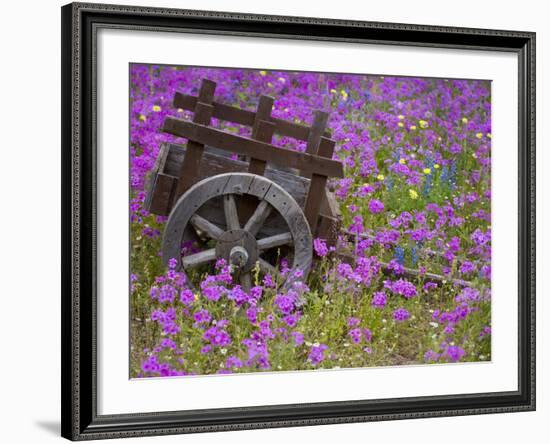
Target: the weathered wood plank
pixel 245 117
pixel 329 205
pixel 150 202
pixel 203 115
pixel 241 145
pixel 317 186
pixel 320 119
pixel 328 228
pixel 213 164
pixel 162 194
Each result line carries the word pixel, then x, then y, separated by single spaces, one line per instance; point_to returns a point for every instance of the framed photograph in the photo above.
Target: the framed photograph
pixel 280 221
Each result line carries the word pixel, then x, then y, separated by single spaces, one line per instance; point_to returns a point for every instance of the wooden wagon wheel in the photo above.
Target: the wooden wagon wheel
pixel 236 243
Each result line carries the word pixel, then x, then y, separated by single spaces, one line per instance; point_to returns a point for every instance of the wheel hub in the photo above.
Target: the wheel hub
pixel 239 248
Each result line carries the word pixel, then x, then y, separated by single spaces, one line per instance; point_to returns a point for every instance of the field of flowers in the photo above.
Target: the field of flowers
pixel 415 197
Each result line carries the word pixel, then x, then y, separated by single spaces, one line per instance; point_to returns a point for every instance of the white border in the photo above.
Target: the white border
pixel 118 394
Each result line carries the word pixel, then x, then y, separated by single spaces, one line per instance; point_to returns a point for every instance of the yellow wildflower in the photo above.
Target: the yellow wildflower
pixel 142 118
pixel 489 135
pixel 281 79
pixel 380 177
pixel 423 124
pixel 333 91
pixel 427 171
pixel 269 84
pixel 479 135
pixel 180 110
pixel 412 127
pixel 263 73
pixel 400 116
pixel 402 161
pixel 400 124
pixel 156 108
pixel 436 166
pixel 413 194
pixel 344 94
pixel 464 120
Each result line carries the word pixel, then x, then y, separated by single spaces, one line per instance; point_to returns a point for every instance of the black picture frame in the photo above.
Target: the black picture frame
pixel 78 333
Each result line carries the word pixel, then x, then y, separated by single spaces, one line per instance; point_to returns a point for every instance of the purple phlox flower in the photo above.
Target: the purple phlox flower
pixel 238 295
pixel 168 343
pixel 298 338
pixel 355 335
pixel 404 288
pixel 268 281
pixel 454 353
pixel 252 314
pixel 429 286
pixel 233 362
pixel 320 247
pixel 401 314
pixel 217 336
pixel 396 267
pixel 202 317
pixel 187 297
pixel 467 267
pixel 317 353
pixel 291 320
pixel 379 299
pixel 376 206
pixel 284 303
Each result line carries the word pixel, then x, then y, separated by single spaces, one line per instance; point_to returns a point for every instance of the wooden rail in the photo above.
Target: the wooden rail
pixel 205 135
pixel 244 117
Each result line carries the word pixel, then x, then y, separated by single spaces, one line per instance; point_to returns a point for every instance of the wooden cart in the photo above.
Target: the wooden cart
pixel 243 210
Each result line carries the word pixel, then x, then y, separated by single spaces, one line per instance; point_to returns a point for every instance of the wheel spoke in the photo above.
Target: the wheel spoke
pixel 201 224
pixel 246 281
pixel 258 218
pixel 230 210
pixel 274 241
pixel 194 260
pixel 267 268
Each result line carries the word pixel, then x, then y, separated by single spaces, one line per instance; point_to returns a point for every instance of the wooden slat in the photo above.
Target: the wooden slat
pixel 264 133
pixel 265 106
pixel 328 229
pixel 245 117
pixel 197 259
pixel 159 167
pixel 213 163
pixel 257 219
pixel 203 114
pixel 262 130
pixel 317 186
pixel 316 132
pixel 230 210
pixel 241 145
pixel 274 241
pixel 200 223
pixel 329 205
pixel 162 194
